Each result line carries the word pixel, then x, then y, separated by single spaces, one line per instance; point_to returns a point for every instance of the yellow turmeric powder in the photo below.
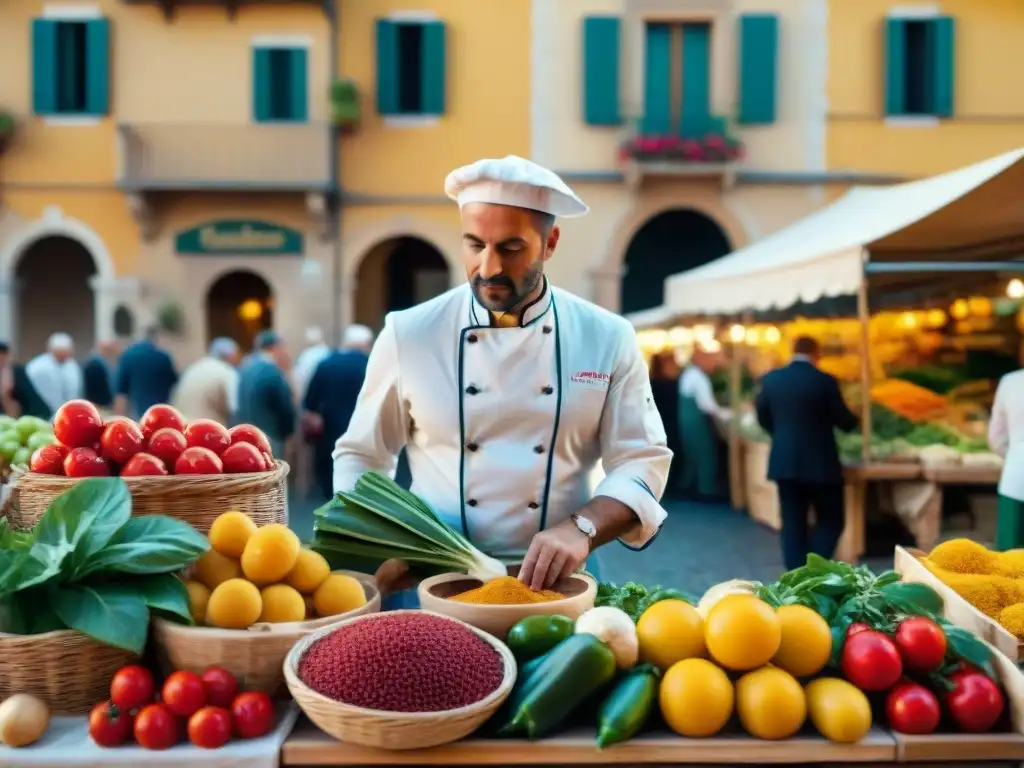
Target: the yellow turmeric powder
pixel 506 590
pixel 1011 563
pixel 989 594
pixel 964 556
pixel 1012 619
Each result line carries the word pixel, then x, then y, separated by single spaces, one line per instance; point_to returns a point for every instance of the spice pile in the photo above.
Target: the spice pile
pixel 406 662
pixel 507 590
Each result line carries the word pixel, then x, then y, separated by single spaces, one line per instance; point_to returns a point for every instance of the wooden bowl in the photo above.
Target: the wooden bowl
pixel 394 730
pixel 580 591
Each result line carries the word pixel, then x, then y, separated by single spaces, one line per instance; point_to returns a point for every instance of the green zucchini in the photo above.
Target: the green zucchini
pixel 627 708
pixel 536 635
pixel 556 684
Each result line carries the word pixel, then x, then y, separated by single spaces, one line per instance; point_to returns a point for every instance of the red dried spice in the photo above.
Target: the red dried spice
pixel 406 662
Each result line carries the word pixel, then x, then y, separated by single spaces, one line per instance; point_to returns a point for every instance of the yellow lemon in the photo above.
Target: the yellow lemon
pixel 806 641
pixel 670 631
pixel 270 554
pixel 235 604
pixel 839 710
pixel 770 703
pixel 696 698
pixel 198 598
pixel 339 593
pixel 230 532
pixel 309 572
pixel 213 569
pixel 742 632
pixel 282 603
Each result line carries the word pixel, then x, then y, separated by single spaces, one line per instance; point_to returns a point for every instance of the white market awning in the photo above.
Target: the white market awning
pixel 655 317
pixel 822 255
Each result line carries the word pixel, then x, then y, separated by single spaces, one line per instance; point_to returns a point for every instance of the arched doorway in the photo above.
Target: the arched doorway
pixel 397 274
pixel 671 242
pixel 54 295
pixel 239 305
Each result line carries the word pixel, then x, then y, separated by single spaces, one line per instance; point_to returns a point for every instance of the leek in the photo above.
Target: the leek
pixel 380 520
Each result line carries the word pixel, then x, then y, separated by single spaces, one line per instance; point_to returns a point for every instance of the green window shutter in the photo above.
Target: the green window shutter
pixel 433 69
pixel 657 118
pixel 261 81
pixel 97 67
pixel 387 67
pixel 601 67
pixel 895 67
pixel 298 61
pixel 943 50
pixel 44 66
pixel 695 106
pixel 759 56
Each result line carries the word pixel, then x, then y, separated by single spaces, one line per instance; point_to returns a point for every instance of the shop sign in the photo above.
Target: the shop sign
pixel 228 236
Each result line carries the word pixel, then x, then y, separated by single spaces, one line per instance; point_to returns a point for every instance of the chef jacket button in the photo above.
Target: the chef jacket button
pixel 533 505
pixel 548 390
pixel 547 329
pixel 471 446
pixel 471 390
pixel 538 449
pixel 471 338
pixel 471 502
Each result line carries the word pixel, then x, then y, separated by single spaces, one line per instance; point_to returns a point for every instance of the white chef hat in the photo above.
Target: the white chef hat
pixel 513 181
pixel 60 342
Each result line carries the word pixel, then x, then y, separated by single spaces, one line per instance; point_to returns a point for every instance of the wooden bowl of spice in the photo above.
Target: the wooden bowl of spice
pixel 497 605
pixel 400 680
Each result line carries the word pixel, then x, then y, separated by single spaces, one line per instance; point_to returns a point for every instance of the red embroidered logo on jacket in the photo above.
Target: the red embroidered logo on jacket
pixel 592 379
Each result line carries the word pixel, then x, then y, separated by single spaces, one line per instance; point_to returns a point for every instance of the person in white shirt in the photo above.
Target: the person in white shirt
pixel 208 388
pixel 308 360
pixel 1006 437
pixel 55 374
pixel 698 433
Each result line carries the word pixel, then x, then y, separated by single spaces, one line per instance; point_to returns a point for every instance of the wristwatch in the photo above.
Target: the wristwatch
pixel 586 526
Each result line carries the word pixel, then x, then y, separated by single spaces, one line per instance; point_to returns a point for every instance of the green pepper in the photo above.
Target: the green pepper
pixel 536 635
pixel 626 709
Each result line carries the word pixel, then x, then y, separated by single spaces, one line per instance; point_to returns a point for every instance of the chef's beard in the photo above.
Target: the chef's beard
pixel 517 295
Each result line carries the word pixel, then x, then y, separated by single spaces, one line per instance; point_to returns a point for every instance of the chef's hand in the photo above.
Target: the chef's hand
pixel 554 553
pixel 394 576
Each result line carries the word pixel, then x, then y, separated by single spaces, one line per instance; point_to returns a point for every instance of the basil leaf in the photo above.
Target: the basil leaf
pixel 113 614
pixel 839 630
pixel 967 647
pixel 29 613
pixel 914 598
pixel 145 545
pixel 886 578
pixel 82 520
pixel 825 606
pixel 166 593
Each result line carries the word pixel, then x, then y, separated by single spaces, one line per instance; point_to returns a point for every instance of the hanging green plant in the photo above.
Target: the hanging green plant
pixel 7 124
pixel 170 317
pixel 346 108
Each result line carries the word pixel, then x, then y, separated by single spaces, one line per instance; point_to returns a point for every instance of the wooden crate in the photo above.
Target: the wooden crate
pixel 761 493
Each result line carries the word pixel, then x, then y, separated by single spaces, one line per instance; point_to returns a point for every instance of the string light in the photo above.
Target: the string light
pixel 737 334
pixel 1015 289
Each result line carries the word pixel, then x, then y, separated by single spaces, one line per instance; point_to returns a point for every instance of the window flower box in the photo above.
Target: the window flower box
pixel 713 148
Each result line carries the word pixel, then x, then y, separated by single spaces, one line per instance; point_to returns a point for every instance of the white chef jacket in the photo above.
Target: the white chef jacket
pixel 696 383
pixel 502 426
pixel 1006 433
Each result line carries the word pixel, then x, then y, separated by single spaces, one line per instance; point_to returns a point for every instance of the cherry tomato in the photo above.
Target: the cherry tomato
pixel 210 727
pixel 221 686
pixel 159 417
pixel 871 661
pixel 121 439
pixel 922 644
pixel 184 693
pixel 253 714
pixel 207 433
pixel 85 462
pixel 77 424
pixel 143 464
pixel 167 445
pixel 198 461
pixel 912 709
pixel 48 460
pixel 108 725
pixel 132 687
pixel 156 727
pixel 247 433
pixel 242 457
pixel 976 702
pixel 856 628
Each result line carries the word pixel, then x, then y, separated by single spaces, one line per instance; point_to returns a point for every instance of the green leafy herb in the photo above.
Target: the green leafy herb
pixel 634 598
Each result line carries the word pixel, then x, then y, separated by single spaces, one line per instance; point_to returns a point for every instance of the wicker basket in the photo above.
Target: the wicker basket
pixel 195 499
pixel 253 655
pixel 395 730
pixel 67 670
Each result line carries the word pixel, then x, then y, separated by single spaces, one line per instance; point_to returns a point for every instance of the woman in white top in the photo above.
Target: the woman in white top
pixel 1006 437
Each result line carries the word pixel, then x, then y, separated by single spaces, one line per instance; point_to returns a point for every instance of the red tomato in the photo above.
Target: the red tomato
pixel 921 643
pixel 207 433
pixel 121 439
pixel 210 727
pixel 143 464
pixel 198 461
pixel 167 445
pixel 108 725
pixel 156 727
pixel 247 433
pixel 871 661
pixel 64 450
pixel 77 424
pixel 856 628
pixel 221 686
pixel 253 713
pixel 161 417
pixel 84 462
pixel 242 457
pixel 184 693
pixel 48 460
pixel 976 702
pixel 913 709
pixel 132 687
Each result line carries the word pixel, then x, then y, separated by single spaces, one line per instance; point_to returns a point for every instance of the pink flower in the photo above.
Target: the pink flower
pixel 714 141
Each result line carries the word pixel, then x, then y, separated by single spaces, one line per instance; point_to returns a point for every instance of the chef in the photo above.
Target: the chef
pixel 506 392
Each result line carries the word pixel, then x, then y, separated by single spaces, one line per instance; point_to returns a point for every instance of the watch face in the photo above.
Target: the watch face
pixel 585 525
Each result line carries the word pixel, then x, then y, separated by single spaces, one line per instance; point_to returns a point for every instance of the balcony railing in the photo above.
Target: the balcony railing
pixel 231 6
pixel 253 157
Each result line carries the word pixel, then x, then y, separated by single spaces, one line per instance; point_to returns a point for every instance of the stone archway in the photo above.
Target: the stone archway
pixel 668 243
pixel 398 273
pixel 239 304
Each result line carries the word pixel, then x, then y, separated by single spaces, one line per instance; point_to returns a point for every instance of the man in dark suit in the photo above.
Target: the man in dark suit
pixel 145 376
pixel 98 375
pixel 264 395
pixel 801 406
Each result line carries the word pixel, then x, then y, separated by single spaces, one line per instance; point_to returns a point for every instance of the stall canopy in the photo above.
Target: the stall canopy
pixel 969 214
